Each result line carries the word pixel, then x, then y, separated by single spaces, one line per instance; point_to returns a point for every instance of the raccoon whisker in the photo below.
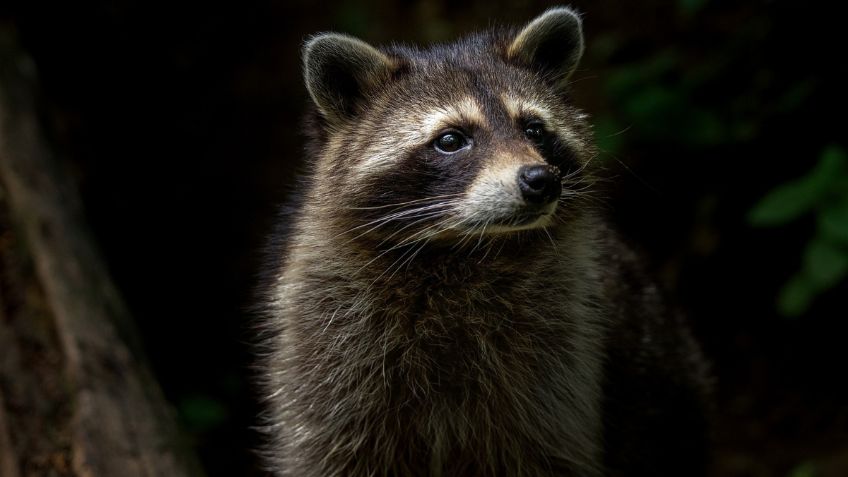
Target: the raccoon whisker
pixel 398 260
pixel 401 204
pixel 585 197
pixel 466 237
pixel 403 213
pixel 434 231
pixel 580 178
pixel 365 293
pixel 363 267
pixel 500 249
pixel 578 171
pixel 408 241
pixel 574 194
pixel 628 128
pixel 482 234
pixel 581 183
pixel 409 259
pixel 633 173
pixel 443 226
pixel 583 78
pixel 491 244
pixel 422 219
pixel 578 187
pixel 469 236
pixel 464 242
pixel 575 173
pixel 553 244
pixel 392 217
pixel 559 219
pixel 425 233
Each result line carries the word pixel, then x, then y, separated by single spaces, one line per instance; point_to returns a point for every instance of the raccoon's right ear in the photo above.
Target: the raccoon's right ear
pixel 552 43
pixel 339 70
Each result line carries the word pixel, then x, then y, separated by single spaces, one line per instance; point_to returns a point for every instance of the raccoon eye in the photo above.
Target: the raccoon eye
pixel 535 131
pixel 450 142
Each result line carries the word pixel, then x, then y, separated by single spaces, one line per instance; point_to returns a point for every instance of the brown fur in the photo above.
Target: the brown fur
pixel 415 332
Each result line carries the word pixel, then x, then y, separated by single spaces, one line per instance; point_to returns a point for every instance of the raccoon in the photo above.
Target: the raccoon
pixel 447 298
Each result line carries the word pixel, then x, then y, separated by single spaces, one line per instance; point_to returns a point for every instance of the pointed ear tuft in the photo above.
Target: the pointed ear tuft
pixel 551 43
pixel 339 70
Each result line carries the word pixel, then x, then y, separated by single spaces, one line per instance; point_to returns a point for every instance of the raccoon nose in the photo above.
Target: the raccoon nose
pixel 539 184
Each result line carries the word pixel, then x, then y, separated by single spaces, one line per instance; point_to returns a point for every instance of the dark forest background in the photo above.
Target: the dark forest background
pixel 723 123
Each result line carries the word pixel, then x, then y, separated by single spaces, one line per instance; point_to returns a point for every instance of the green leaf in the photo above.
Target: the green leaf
pixel 630 79
pixel 795 297
pixel 825 263
pixel 651 103
pixel 793 199
pixel 833 221
pixel 834 165
pixel 202 413
pixel 795 96
pixel 805 469
pixel 703 128
pixel 355 20
pixel 690 7
pixel 786 203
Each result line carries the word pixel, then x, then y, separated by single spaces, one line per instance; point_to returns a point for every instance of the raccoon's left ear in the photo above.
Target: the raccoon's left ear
pixel 340 71
pixel 552 43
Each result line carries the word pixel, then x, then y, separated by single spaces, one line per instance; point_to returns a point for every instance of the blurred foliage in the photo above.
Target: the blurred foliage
pixel 700 103
pixel 200 413
pixel 822 192
pixel 690 7
pixel 804 470
pixel 651 97
pixel 667 97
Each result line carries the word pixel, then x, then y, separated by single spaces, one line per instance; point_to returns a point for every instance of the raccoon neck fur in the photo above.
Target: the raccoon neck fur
pixel 489 351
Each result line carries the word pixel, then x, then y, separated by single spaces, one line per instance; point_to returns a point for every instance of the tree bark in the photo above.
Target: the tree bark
pixel 76 395
pixel 8 459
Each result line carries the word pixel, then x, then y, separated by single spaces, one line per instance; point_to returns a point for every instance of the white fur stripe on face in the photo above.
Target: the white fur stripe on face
pixel 418 128
pixel 518 107
pixel 523 107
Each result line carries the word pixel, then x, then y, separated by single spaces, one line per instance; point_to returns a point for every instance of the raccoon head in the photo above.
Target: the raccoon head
pixel 474 137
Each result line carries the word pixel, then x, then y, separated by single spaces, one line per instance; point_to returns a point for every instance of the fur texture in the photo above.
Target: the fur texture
pixel 425 319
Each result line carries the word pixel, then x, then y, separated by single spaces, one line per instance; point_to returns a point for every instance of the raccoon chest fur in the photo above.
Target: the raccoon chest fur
pixel 447 299
pixel 454 322
pixel 472 367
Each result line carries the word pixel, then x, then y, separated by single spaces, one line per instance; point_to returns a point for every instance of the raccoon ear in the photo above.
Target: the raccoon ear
pixel 553 43
pixel 339 70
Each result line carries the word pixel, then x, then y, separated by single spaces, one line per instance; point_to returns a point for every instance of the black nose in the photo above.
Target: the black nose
pixel 539 184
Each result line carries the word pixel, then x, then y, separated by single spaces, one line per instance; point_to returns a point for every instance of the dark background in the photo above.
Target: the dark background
pixel 181 122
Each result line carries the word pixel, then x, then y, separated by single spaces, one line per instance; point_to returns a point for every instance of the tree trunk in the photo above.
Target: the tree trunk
pixel 76 395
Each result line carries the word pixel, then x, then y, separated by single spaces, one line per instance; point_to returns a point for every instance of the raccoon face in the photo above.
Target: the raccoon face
pixel 470 138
